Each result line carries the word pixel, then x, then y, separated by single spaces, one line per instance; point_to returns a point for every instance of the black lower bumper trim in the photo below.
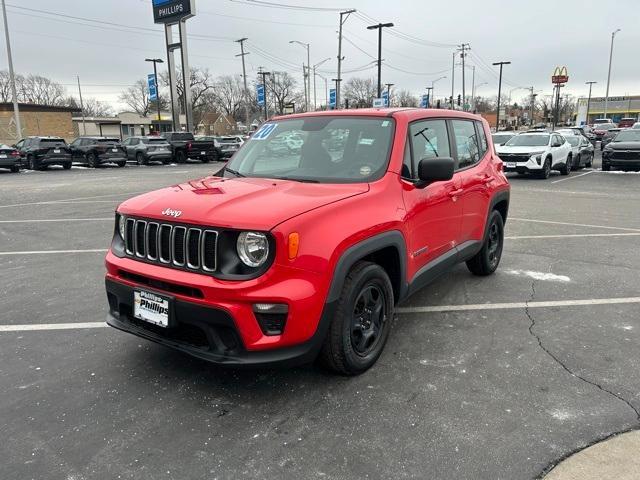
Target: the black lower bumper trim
pixel 208 333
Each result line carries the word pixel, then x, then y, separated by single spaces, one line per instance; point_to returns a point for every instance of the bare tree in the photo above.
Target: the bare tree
pixel 136 97
pixel 41 90
pixel 96 108
pixel 360 92
pixel 404 98
pixel 282 90
pixel 202 84
pixel 5 87
pixel 228 96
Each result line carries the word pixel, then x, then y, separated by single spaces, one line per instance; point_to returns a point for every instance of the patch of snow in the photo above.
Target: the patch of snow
pixel 547 277
pixel 562 415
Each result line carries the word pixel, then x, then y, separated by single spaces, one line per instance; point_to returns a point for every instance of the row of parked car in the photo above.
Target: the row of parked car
pixel 38 153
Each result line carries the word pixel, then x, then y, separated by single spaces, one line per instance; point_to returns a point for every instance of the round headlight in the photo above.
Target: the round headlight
pixel 122 221
pixel 253 248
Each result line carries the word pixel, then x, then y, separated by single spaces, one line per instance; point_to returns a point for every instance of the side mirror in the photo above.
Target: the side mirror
pixel 436 169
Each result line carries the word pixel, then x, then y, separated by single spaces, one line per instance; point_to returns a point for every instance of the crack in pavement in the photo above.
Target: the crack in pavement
pixel 532 324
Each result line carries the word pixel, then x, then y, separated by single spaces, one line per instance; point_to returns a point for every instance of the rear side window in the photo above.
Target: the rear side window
pixel 482 138
pixel 467 145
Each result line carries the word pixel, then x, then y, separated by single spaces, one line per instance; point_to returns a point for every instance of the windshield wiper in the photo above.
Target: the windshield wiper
pixel 236 173
pixel 301 180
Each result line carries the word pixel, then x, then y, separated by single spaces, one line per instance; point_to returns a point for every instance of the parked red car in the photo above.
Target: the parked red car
pixel 627 122
pixel 287 257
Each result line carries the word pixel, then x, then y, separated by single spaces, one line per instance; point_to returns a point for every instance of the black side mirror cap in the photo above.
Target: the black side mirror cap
pixel 438 169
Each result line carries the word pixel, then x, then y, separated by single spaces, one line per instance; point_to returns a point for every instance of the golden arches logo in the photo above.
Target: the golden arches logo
pixel 561 72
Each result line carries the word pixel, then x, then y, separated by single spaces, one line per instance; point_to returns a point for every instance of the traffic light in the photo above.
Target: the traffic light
pixel 451 101
pixel 459 99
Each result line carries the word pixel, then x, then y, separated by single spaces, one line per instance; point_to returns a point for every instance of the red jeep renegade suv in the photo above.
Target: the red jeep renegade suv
pixel 309 237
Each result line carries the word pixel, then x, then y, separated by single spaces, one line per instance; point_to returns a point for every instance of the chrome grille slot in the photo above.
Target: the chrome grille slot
pixel 193 248
pixel 128 235
pixel 209 244
pixel 152 241
pixel 179 236
pixel 140 238
pixel 178 246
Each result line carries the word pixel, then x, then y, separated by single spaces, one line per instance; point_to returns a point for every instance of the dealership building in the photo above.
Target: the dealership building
pixel 617 108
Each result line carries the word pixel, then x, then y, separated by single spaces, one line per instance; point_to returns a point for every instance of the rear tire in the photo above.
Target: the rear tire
pixel 92 160
pixel 66 165
pixel 566 168
pixel 33 163
pixel 15 169
pixel 486 261
pixel 121 164
pixel 606 167
pixel 363 319
pixel 589 163
pixel 181 157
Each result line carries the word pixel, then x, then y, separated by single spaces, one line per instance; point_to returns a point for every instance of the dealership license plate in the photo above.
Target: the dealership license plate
pixel 151 308
pixel 57 150
pixel 115 150
pixel 511 164
pixel 3 156
pixel 203 153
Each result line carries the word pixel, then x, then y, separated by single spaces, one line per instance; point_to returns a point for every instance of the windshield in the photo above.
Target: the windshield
pixel 628 136
pixel 524 140
pixel 228 140
pixel 181 136
pixel 319 149
pixel 605 126
pixel 205 139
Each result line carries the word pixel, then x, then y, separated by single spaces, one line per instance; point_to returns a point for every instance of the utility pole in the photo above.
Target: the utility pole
pixel 379 27
pixel 14 93
pixel 306 74
pixel 462 55
pixel 343 18
pixel 306 93
pixel 337 82
pixel 389 85
pixel 473 87
pixel 264 75
pixel 315 96
pixel 84 125
pixel 606 97
pixel 453 77
pixel 499 92
pixel 589 100
pixel 242 54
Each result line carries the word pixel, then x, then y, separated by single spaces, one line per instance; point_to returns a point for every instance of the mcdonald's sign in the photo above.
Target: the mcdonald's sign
pixel 560 75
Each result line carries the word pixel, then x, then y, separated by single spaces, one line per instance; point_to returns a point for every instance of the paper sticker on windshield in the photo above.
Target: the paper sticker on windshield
pixel 366 141
pixel 385 123
pixel 264 132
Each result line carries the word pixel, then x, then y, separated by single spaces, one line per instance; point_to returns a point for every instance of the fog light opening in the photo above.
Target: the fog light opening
pixel 271 317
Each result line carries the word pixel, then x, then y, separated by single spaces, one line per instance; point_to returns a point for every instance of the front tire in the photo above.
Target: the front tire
pixel 15 169
pixel 66 165
pixel 33 163
pixel 545 173
pixel 486 261
pixel 566 168
pixel 360 328
pixel 121 164
pixel 589 163
pixel 92 160
pixel 140 160
pixel 606 167
pixel 181 157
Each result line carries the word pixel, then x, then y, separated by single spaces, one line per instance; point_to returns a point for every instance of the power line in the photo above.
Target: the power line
pixel 262 3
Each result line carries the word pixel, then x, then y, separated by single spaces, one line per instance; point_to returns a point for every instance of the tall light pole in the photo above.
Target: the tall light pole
pixel 307 74
pixel 84 125
pixel 606 97
pixel 453 78
pixel 433 83
pixel 326 90
pixel 155 61
pixel 379 27
pixel 14 94
pixel 343 18
pixel 315 97
pixel 499 91
pixel 589 99
pixel 462 55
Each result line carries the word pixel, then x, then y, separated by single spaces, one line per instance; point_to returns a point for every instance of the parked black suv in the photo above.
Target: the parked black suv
pixel 95 151
pixel 184 145
pixel 40 152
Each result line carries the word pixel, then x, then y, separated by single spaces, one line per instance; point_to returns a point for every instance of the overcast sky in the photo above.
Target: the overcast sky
pixel 535 36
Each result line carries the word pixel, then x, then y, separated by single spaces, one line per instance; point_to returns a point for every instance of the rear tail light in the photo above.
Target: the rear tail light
pixel 189 146
pixel 15 154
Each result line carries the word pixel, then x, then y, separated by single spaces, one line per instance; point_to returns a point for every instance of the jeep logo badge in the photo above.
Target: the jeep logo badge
pixel 172 213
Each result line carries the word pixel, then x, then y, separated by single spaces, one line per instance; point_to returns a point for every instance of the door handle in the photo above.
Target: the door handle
pixel 455 193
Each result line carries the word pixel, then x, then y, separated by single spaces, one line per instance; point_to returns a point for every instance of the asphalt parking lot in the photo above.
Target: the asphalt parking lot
pixel 482 378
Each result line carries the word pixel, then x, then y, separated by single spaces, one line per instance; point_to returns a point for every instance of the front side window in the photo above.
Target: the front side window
pixel 467 144
pixel 323 149
pixel 429 139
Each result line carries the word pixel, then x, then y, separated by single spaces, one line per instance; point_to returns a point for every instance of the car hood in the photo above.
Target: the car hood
pixel 242 203
pixel 525 149
pixel 624 145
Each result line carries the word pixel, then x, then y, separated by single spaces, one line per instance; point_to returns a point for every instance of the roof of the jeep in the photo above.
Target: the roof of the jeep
pixel 408 114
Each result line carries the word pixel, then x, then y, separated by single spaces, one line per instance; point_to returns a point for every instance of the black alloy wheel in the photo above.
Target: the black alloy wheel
pixel 368 319
pixel 486 261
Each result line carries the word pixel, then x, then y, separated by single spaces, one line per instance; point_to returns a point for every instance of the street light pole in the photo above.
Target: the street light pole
pixel 14 94
pixel 155 81
pixel 315 97
pixel 499 91
pixel 242 54
pixel 606 97
pixel 433 83
pixel 453 77
pixel 344 14
pixel 306 74
pixel 589 99
pixel 379 27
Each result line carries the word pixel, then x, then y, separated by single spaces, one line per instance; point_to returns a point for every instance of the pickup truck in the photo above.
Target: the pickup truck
pixel 184 145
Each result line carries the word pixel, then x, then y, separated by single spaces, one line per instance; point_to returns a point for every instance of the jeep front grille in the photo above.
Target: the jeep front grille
pixel 177 246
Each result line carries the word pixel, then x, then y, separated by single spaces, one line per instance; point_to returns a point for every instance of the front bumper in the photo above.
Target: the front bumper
pixel 214 320
pixel 613 161
pixel 530 165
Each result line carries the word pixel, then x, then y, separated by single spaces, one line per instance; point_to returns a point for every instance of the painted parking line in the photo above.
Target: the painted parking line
pixel 405 310
pixel 43 252
pixel 518 305
pixel 577 235
pixel 51 326
pixel 51 220
pixel 550 222
pixel 573 177
pixel 71 199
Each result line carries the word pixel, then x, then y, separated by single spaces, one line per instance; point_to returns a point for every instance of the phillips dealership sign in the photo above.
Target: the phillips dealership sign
pixel 172 11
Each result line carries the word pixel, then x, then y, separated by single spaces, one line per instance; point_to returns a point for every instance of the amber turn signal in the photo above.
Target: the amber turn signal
pixel 294 243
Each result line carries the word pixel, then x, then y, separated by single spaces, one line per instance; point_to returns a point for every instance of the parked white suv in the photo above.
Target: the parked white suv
pixel 537 153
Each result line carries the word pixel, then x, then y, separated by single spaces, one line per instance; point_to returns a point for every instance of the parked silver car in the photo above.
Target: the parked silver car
pixel 147 149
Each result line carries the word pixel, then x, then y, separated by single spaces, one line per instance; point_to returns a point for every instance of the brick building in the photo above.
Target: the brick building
pixel 36 120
